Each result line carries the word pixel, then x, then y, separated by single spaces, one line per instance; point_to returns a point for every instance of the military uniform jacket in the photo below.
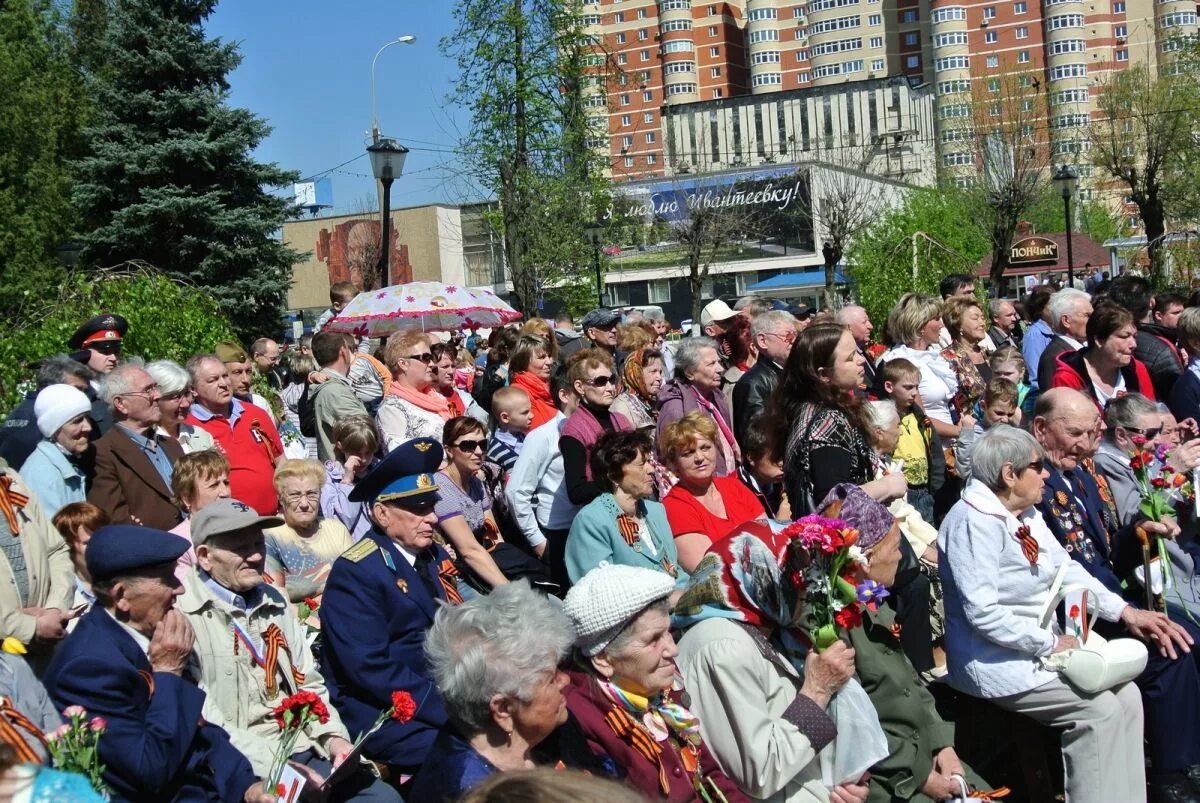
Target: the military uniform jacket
pixel 157 748
pixel 374 616
pixel 1083 518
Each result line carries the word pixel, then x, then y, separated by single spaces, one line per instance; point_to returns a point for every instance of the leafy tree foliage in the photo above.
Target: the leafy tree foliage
pixel 169 177
pixel 167 319
pixel 41 107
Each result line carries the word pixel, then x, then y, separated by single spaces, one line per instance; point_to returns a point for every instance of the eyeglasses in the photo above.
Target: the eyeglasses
pixel 109 347
pixel 147 392
pixel 1038 465
pixel 470 446
pixel 294 498
pixel 599 381
pixel 179 394
pixel 425 357
pixel 790 337
pixel 1148 434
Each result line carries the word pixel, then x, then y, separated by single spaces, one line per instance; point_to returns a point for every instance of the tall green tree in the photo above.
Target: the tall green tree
pixel 41 108
pixel 525 67
pixel 169 177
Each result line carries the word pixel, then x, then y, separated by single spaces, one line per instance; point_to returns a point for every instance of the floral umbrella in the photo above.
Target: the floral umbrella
pixel 431 306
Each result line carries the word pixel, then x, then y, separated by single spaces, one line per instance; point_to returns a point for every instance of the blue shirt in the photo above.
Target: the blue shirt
pixel 202 413
pixel 151 448
pixel 1035 342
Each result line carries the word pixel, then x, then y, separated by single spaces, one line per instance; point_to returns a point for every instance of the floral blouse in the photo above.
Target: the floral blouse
pixel 972 379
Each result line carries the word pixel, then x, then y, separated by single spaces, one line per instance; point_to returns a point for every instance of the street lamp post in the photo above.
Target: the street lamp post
pixel 1067 180
pixel 407 39
pixel 387 162
pixel 595 236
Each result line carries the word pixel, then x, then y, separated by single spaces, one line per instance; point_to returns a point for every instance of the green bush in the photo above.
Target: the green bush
pixel 167 320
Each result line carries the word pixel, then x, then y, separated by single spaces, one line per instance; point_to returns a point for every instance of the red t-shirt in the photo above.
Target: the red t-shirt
pixel 252 446
pixel 686 514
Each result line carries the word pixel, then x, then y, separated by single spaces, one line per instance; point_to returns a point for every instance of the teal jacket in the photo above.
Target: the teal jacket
pixel 595 539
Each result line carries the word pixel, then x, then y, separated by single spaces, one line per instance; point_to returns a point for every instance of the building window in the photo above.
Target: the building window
pixel 912 62
pixel 619 16
pixel 911 38
pixel 651 137
pixel 1068 46
pixel 768 35
pixel 1178 19
pixel 1121 31
pixel 675 5
pixel 951 63
pixel 989 12
pixel 949 14
pixel 953 87
pixel 993 85
pixel 680 66
pixel 627 142
pixel 767 79
pixel 957 159
pixel 677 25
pixel 991 37
pixel 717 93
pixel 762 14
pixel 680 89
pixel 645 55
pixel 763 57
pixel 624 119
pixel 618 294
pixel 651 158
pixel 877 65
pixel 648 117
pixel 622 58
pixel 1066 21
pixel 629 161
pixel 647 96
pixel 591 19
pixel 836 24
pixel 837 46
pixel 993 62
pixel 658 291
pixel 1020 7
pixel 942 39
pixel 679 46
pixel 1118 7
pixel 643 35
pixel 714 51
pixel 1022 32
pixel 712 11
pixel 1026 105
pixel 624 100
pixel 801 55
pixel 909 15
pixel 1122 55
pixel 621 38
pixel 712 30
pixel 716 72
pixel 875 19
pixel 802 78
pixel 1068 71
pixel 876 41
pixel 1023 57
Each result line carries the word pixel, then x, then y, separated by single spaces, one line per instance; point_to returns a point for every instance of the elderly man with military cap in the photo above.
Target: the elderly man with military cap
pixel 125 662
pixel 380 600
pixel 267 658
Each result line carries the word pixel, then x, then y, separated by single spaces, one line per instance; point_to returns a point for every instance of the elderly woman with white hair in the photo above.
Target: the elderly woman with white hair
pixel 696 386
pixel 55 470
pixel 175 401
pixel 997 560
pixel 625 691
pixel 495 662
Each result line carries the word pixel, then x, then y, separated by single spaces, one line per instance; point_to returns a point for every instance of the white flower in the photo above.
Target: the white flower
pixel 856 554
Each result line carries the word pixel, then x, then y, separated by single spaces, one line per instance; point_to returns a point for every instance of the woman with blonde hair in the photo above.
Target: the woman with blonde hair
pixel 529 369
pixel 301 551
pixel 412 407
pixel 915 324
pixel 542 328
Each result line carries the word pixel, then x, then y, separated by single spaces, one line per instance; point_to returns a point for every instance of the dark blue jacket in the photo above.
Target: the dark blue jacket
pixel 453 768
pixel 156 748
pixel 374 616
pixel 1184 400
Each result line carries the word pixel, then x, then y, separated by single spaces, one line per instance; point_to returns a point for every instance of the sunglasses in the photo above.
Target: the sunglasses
pixel 109 347
pixel 425 357
pixel 470 446
pixel 1037 465
pixel 599 381
pixel 1148 434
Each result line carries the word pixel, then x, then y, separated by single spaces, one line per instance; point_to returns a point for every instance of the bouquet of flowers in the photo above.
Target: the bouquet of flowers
pixel 827 559
pixel 74 746
pixel 1159 485
pixel 293 715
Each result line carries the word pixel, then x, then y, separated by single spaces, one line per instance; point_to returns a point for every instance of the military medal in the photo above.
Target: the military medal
pixel 402 585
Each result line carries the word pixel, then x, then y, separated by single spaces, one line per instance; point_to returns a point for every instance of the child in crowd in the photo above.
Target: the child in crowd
pixel 299 367
pixel 510 411
pixel 999 405
pixel 355 445
pixel 919 447
pixel 75 523
pixel 340 294
pixel 1007 363
pixel 762 473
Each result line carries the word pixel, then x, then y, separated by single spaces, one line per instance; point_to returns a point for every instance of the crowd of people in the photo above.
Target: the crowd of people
pixel 567 548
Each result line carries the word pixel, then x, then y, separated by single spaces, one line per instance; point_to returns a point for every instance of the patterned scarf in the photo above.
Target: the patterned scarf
pixel 634 381
pixel 10 500
pixel 647 722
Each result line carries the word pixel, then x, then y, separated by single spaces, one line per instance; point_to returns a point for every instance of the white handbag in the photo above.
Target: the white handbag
pixel 1097 664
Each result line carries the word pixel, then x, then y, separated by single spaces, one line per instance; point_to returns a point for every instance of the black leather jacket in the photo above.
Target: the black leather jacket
pixel 750 395
pixel 1156 349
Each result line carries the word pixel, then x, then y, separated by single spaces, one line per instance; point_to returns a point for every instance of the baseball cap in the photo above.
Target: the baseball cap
pixel 227 516
pixel 716 311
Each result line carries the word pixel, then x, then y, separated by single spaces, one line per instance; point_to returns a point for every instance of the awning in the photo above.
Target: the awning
pixel 785 282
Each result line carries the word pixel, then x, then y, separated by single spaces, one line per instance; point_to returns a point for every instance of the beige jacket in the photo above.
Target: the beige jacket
pixel 47 564
pixel 236 686
pixel 740 697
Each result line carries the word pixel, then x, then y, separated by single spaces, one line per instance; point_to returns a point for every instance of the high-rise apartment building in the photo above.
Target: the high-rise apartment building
pixel 1046 56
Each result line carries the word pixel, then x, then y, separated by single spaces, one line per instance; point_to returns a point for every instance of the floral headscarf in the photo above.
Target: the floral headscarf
pixel 631 375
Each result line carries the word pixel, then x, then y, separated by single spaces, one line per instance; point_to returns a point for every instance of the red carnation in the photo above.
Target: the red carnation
pixel 311 603
pixel 849 617
pixel 404 707
pixel 302 706
pixel 1135 463
pixel 1158 482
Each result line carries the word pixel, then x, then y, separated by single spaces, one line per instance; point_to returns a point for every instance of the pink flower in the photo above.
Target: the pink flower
pixel 60 731
pixel 1139 440
pixel 72 711
pixel 99 724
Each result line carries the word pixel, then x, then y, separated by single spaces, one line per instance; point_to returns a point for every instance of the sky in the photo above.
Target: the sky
pixel 306 69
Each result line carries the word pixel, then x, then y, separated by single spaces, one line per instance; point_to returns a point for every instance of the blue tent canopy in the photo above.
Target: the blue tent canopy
pixel 795 281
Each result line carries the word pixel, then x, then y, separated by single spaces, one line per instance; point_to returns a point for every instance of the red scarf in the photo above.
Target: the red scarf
pixel 541 403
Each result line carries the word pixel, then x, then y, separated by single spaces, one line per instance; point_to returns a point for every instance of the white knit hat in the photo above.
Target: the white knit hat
pixel 56 405
pixel 607 598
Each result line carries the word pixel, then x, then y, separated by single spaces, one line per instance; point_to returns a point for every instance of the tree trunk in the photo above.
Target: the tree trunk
pixel 1154 220
pixel 695 281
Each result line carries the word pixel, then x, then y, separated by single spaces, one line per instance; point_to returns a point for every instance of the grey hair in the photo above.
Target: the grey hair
pixel 687 355
pixel 116 382
pixel 994 306
pixel 764 323
pixel 654 315
pixel 882 414
pixel 617 646
pixel 1064 302
pixel 845 316
pixel 495 645
pixel 193 364
pixel 55 370
pixel 170 376
pixel 1001 445
pixel 1124 411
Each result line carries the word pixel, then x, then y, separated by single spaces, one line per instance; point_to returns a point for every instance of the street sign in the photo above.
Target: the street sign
pixel 1029 251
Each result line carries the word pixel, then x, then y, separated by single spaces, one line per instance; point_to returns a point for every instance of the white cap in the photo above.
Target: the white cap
pixel 56 405
pixel 715 312
pixel 607 598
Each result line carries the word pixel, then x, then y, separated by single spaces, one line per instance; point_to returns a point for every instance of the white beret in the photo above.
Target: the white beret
pixel 608 598
pixel 55 405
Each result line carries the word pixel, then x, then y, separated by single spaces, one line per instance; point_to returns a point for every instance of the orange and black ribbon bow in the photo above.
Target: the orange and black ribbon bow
pixel 628 526
pixel 10 720
pixel 627 729
pixel 273 642
pixel 10 500
pixel 1029 544
pixel 448 577
pixel 257 429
